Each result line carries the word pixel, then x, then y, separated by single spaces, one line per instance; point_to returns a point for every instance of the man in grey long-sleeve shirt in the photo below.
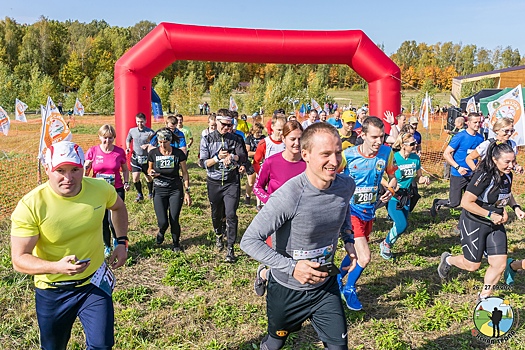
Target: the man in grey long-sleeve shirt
pixel 307 215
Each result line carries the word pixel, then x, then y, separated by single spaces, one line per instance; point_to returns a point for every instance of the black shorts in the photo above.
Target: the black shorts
pixel 477 238
pixel 458 185
pixel 287 309
pixel 137 167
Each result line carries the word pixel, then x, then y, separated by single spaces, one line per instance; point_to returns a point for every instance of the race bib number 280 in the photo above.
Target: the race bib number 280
pixel 365 195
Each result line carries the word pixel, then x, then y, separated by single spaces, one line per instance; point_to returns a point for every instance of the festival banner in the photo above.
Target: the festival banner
pixel 509 105
pixel 79 108
pixel 20 108
pixel 233 105
pixel 5 122
pixel 54 128
pixel 471 105
pixel 316 106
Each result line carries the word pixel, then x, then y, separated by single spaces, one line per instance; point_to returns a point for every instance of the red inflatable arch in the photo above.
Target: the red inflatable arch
pixel 169 42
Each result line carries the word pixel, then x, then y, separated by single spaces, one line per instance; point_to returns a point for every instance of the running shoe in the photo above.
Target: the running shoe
pixel 150 196
pixel 384 250
pixel 434 208
pixel 259 286
pixel 218 242
pixel 350 297
pixel 230 256
pixel 160 238
pixel 509 273
pixel 176 249
pixel 139 198
pixel 444 267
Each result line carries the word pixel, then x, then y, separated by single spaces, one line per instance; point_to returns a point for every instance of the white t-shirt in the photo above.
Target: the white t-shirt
pixel 482 148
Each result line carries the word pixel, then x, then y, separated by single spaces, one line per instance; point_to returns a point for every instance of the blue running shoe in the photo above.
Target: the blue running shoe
pixel 340 283
pixel 384 250
pixel 509 273
pixel 352 302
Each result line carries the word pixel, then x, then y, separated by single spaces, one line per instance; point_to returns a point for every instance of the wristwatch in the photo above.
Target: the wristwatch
pixel 188 189
pixel 457 167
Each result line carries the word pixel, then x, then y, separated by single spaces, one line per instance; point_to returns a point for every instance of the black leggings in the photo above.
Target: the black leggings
pixel 168 202
pixel 107 226
pixel 224 200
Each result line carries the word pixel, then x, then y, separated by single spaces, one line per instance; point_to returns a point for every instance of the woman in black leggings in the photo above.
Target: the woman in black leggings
pixel 483 215
pixel 163 165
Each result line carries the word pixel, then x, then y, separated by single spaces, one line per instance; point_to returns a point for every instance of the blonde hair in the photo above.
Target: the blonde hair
pixel 107 130
pixel 401 139
pixel 501 123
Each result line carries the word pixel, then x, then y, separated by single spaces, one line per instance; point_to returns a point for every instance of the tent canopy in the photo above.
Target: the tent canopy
pixel 484 101
pixel 477 96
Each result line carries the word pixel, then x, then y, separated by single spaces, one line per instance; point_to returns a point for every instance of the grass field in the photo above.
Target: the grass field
pixel 195 300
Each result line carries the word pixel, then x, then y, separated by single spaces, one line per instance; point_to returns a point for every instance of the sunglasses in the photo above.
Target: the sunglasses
pixel 508 131
pixel 226 124
pixel 412 144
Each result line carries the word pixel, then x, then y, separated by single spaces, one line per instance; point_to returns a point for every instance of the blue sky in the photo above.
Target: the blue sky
pixel 484 23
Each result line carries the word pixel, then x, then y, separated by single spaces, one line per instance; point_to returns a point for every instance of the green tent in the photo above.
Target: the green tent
pixel 484 101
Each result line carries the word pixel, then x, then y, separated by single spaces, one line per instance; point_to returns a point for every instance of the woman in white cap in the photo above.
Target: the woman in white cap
pixel 164 163
pixel 107 161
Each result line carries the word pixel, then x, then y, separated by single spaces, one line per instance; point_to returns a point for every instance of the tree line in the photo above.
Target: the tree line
pixel 70 59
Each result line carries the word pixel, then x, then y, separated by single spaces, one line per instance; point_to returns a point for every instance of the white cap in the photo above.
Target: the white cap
pixel 64 152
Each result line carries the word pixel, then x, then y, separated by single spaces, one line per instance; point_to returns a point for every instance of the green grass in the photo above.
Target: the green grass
pixel 195 300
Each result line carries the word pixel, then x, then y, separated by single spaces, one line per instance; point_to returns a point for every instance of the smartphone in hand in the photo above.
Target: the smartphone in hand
pixel 330 268
pixel 82 261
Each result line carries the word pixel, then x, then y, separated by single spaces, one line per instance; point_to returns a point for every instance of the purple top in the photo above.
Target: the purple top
pixel 275 171
pixel 107 165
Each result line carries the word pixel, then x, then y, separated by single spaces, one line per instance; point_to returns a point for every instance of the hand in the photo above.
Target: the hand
pixel 118 257
pixel 223 154
pixel 505 216
pixel 424 180
pixel 462 171
pixel 242 169
pixel 126 187
pixel 305 272
pixel 67 266
pixel 145 146
pixel 519 213
pixel 386 196
pixel 153 173
pixel 350 250
pixel 389 117
pixel 518 169
pixel 187 199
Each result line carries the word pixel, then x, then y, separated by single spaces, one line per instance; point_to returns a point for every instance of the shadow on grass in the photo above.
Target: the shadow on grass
pixel 459 341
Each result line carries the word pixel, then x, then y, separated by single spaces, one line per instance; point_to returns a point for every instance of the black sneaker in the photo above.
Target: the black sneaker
pixel 139 198
pixel 434 208
pixel 176 249
pixel 218 242
pixel 259 285
pixel 160 238
pixel 230 256
pixel 444 267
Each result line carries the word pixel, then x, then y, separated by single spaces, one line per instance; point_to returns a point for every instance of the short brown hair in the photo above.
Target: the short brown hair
pixel 309 132
pixel 374 121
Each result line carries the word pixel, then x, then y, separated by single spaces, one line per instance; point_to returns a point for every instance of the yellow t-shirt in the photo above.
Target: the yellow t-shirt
pixel 65 225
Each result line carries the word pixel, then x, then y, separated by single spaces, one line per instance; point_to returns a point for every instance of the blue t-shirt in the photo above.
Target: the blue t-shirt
pixel 367 173
pixel 417 137
pixel 337 123
pixel 463 143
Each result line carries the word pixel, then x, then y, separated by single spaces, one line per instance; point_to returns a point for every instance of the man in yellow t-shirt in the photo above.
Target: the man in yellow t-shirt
pixel 56 235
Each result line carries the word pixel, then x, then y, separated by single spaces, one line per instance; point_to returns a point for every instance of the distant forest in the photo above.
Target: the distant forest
pixel 69 59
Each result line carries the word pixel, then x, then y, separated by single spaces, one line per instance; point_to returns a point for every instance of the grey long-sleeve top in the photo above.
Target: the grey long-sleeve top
pixel 307 223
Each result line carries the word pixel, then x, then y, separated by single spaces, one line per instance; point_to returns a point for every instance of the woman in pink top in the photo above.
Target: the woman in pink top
pixel 107 161
pixel 281 167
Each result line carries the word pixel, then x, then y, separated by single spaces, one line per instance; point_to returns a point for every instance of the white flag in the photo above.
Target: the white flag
pixel 509 105
pixel 5 122
pixel 426 106
pixel 54 128
pixel 316 106
pixel 79 109
pixel 471 105
pixel 20 108
pixel 233 105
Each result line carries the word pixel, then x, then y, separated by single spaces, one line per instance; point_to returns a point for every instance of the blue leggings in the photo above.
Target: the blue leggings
pixel 400 218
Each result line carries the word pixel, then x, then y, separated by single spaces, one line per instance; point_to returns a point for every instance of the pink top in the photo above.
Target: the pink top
pixel 275 171
pixel 107 165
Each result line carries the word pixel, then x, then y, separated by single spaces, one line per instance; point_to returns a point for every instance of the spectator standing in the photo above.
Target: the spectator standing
pixel 185 131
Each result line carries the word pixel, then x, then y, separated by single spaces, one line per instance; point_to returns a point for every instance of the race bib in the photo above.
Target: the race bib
pixel 165 162
pixel 110 178
pixel 320 255
pixel 104 279
pixel 365 195
pixel 407 170
pixel 503 200
pixel 142 159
